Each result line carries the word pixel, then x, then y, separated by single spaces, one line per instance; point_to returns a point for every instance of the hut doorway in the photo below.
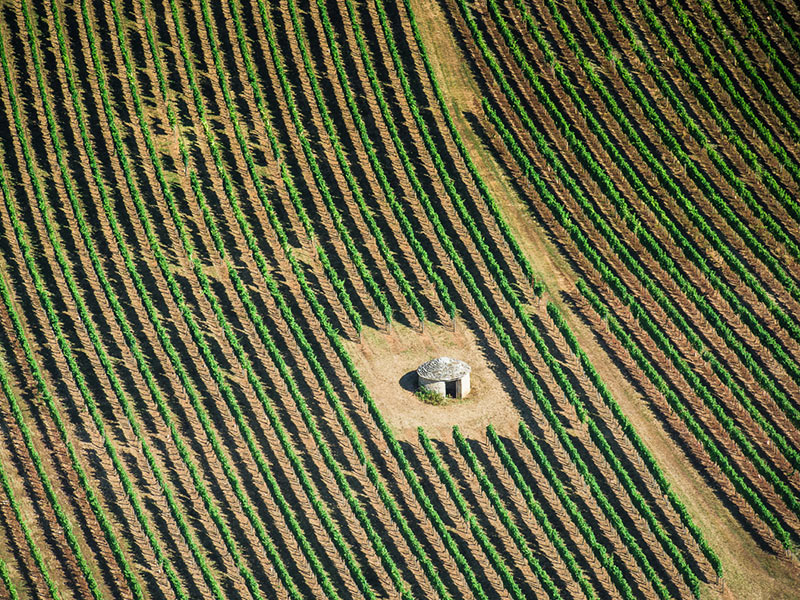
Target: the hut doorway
pixel 446 376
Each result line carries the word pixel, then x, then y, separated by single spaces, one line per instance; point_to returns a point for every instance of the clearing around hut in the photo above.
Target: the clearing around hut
pixel 231 233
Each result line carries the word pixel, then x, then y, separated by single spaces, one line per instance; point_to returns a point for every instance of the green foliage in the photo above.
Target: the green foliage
pixel 327 121
pixel 718 456
pixel 694 129
pixel 429 396
pixel 630 432
pixel 375 162
pixel 194 472
pixel 642 232
pixel 552 534
pixel 252 378
pixel 344 235
pixel 554 366
pixel 505 517
pixel 757 32
pixel 5 577
pixel 721 204
pixel 744 104
pixel 497 562
pixel 491 203
pixel 61 516
pixel 347 362
pixel 583 243
pixel 481 292
pixel 787 29
pixel 272 552
pixel 27 534
pixel 65 347
pixel 763 86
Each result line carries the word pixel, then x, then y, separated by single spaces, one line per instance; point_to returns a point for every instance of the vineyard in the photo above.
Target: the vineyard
pixel 229 229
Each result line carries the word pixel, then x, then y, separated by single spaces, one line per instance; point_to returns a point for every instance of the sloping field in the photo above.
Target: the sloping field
pixel 231 230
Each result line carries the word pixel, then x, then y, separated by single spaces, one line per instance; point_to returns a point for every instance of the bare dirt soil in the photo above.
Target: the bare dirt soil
pixel 388 362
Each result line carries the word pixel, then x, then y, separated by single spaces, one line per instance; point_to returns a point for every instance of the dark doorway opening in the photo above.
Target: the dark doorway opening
pixel 450 389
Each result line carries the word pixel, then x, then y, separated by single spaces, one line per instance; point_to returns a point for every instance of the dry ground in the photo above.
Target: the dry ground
pixel 387 362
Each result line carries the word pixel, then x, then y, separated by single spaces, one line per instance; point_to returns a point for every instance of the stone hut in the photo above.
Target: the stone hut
pixel 446 376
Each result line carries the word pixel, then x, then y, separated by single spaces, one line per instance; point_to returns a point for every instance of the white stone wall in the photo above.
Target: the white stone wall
pixel 432 385
pixel 462 386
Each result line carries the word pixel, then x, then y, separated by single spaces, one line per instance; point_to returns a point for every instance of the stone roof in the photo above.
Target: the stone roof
pixel 443 368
